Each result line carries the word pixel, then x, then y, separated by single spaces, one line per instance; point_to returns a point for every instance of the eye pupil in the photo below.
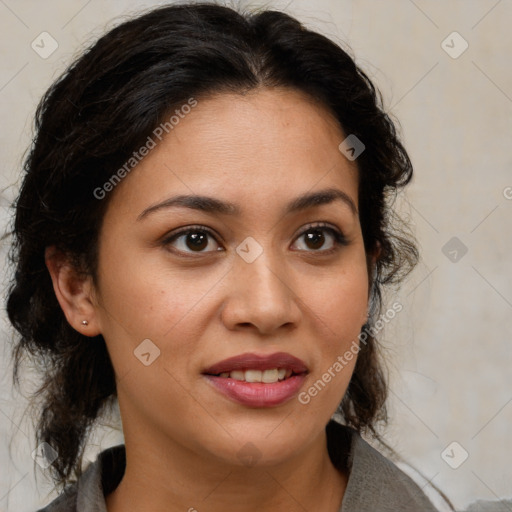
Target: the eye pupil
pixel 196 239
pixel 199 240
pixel 316 237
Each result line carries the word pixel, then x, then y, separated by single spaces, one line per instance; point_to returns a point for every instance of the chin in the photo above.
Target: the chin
pixel 265 446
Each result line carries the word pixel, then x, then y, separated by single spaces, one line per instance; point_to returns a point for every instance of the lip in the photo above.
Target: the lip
pixel 258 394
pixel 251 361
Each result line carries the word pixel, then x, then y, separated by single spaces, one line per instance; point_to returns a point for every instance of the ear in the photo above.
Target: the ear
pixel 374 257
pixel 75 292
pixel 371 262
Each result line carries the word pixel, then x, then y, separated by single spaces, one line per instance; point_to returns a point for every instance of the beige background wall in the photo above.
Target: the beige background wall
pixel 449 350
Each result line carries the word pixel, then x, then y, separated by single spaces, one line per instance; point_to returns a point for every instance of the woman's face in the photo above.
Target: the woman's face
pixel 261 278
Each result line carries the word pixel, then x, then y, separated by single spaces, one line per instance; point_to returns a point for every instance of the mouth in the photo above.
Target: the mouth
pixel 258 368
pixel 268 376
pixel 258 380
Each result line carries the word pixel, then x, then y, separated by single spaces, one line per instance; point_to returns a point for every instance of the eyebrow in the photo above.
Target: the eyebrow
pixel 216 206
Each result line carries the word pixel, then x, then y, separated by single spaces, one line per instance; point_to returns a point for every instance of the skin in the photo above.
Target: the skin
pixel 182 437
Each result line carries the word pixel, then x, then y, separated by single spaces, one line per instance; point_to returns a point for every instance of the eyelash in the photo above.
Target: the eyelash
pixel 339 239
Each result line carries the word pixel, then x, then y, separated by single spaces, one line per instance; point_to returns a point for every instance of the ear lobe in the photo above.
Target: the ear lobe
pixel 74 292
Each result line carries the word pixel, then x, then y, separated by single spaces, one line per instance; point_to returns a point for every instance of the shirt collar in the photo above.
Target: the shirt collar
pixel 374 483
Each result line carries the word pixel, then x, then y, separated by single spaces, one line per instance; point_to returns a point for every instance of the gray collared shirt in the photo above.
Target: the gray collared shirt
pixel 375 483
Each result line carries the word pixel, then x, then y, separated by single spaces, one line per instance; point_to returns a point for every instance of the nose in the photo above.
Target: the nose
pixel 261 296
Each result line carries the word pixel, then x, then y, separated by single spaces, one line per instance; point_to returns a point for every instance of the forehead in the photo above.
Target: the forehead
pixel 274 124
pixel 264 147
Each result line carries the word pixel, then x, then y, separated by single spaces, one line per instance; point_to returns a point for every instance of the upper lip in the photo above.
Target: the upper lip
pixel 251 361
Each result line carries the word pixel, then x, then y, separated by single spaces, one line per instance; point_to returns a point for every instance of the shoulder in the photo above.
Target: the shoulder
pixel 100 478
pixel 375 482
pixel 379 482
pixel 491 506
pixel 66 502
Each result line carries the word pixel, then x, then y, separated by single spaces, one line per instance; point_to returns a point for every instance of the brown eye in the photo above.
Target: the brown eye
pixel 192 239
pixel 315 238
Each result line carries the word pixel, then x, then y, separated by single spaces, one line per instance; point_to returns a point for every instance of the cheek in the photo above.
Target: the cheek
pixel 339 301
pixel 339 308
pixel 148 295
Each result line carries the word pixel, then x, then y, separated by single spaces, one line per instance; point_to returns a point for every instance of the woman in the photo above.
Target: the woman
pixel 203 233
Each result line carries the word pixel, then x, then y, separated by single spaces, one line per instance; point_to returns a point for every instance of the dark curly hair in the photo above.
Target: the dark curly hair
pixel 104 107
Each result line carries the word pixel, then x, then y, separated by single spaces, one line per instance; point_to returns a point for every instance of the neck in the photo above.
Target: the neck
pixel 177 479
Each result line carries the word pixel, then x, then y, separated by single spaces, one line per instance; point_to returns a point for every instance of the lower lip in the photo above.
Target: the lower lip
pixel 257 394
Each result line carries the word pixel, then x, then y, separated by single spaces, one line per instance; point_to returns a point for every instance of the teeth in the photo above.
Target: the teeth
pixel 270 376
pixel 266 376
pixel 253 375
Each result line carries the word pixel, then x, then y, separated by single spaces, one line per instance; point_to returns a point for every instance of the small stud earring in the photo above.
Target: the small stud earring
pixel 85 322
